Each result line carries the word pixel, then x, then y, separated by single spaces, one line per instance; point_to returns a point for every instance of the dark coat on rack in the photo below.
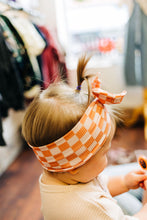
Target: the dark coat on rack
pixel 24 67
pixel 11 93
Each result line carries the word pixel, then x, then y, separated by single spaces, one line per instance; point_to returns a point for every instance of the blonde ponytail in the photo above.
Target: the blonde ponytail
pixel 81 75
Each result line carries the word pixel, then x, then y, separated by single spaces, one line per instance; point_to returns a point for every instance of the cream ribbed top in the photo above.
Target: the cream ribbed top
pixel 88 201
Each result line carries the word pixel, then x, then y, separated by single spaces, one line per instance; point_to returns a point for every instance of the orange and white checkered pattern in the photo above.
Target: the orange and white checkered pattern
pixel 82 142
pixel 105 97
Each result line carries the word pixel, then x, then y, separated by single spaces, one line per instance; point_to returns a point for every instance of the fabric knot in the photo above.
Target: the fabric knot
pixel 105 97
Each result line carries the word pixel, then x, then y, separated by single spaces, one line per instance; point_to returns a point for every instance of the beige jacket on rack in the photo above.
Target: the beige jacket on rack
pixel 130 4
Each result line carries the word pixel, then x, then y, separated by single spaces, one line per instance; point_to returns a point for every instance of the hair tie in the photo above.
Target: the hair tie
pixel 78 87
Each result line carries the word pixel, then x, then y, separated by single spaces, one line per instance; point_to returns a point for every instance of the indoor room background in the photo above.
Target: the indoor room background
pixel 53 34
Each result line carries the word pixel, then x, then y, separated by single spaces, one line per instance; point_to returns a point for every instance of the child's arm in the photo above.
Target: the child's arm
pixel 121 184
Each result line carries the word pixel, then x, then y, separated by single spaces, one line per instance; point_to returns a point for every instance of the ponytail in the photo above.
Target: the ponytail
pixel 81 75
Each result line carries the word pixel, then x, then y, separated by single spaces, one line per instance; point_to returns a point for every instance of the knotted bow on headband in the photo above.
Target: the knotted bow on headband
pixel 105 97
pixel 85 139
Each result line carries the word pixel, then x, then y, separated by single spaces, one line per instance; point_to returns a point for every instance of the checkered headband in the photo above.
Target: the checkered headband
pixel 84 140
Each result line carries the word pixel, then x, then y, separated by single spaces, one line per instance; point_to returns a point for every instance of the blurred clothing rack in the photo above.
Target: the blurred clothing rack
pixel 17 6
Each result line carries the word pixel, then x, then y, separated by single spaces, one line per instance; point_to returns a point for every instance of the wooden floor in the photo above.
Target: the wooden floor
pixel 19 189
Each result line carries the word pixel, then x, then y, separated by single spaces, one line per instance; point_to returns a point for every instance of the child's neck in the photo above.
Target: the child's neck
pixel 49 178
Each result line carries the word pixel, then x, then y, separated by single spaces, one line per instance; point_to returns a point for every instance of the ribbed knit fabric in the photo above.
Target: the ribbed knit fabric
pixel 90 201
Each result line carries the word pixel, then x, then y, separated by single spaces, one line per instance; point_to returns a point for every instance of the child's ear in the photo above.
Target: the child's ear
pixel 74 171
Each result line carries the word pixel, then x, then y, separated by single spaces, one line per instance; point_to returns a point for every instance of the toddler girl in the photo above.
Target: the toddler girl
pixel 70 137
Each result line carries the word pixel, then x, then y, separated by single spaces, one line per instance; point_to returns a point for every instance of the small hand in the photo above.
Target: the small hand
pixel 136 179
pixel 145 184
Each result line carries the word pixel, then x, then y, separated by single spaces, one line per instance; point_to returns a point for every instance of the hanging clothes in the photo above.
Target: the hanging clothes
pixel 135 67
pixel 29 60
pixel 19 55
pixel 10 86
pixel 39 57
pixel 53 69
pixel 34 43
pixel 2 141
pixel 143 5
pixel 16 72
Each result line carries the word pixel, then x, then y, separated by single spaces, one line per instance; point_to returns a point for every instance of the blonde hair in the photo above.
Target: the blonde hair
pixel 56 110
